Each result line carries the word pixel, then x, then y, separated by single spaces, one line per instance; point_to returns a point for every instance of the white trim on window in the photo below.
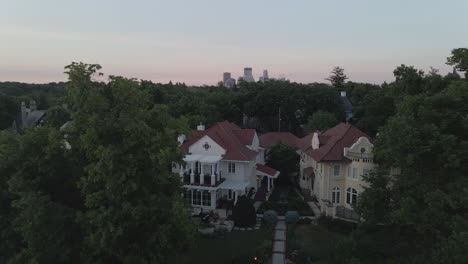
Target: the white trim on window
pixel 231 167
pixel 336 195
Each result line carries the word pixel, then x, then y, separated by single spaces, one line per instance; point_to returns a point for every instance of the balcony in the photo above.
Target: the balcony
pixel 359 155
pixel 206 179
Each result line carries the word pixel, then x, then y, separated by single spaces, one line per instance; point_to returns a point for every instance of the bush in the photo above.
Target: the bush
pixel 291 217
pixel 270 217
pixel 304 221
pixel 244 213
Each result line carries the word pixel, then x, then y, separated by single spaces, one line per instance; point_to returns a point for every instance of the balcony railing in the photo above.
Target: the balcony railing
pixel 347 214
pixel 206 179
pixel 359 155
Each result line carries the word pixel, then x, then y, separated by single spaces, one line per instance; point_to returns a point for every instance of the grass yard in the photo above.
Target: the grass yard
pixel 236 247
pixel 313 241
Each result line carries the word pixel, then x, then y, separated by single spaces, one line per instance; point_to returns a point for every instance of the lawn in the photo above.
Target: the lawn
pixel 236 247
pixel 314 241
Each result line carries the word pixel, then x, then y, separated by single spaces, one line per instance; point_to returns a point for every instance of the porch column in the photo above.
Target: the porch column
pixel 192 173
pixel 217 171
pixel 202 175
pixel 268 181
pixel 213 179
pixel 235 196
pixel 181 173
pixel 213 199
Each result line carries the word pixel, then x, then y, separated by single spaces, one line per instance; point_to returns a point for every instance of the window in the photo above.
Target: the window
pixel 230 194
pixel 336 170
pixel 336 195
pixel 351 196
pixel 355 175
pixel 231 167
pixel 349 172
pixel 197 167
pixel 206 198
pixel 188 197
pixel 197 198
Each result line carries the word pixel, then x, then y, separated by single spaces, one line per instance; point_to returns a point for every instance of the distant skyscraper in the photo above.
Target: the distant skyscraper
pixel 228 81
pixel 248 77
pixel 226 76
pixel 264 77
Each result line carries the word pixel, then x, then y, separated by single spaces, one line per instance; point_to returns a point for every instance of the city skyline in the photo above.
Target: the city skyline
pixel 194 42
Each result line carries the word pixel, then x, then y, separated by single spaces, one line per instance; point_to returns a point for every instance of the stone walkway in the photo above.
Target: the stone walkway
pixel 279 243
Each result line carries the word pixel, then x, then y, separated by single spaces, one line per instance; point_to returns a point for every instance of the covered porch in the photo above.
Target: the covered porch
pixel 265 179
pixel 208 198
pixel 201 170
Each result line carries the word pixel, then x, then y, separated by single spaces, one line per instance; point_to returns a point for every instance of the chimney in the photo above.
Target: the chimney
pixel 24 111
pixel 343 94
pixel 32 105
pixel 315 141
pixel 200 127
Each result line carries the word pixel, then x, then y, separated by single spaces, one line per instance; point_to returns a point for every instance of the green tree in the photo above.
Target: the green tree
pixel 321 121
pixel 337 77
pixel 459 60
pixel 426 203
pixel 8 111
pixel 283 158
pixel 45 199
pixel 57 116
pixel 133 209
pixel 9 154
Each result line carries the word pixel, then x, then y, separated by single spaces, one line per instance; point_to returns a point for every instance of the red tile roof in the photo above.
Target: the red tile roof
pixel 272 138
pixel 245 136
pixel 333 141
pixel 230 137
pixel 267 170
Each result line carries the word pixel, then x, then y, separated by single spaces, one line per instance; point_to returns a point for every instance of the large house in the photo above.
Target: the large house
pixel 332 165
pixel 222 163
pixel 28 117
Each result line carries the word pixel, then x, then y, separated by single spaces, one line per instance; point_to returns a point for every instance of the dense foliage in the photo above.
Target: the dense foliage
pixel 99 191
pixel 244 214
pixel 419 214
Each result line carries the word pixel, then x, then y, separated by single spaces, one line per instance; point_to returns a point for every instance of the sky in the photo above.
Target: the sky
pixel 196 41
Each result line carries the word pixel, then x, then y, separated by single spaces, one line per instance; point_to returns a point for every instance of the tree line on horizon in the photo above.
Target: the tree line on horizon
pixel 100 191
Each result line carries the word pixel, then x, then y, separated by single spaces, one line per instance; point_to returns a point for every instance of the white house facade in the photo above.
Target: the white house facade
pixel 221 164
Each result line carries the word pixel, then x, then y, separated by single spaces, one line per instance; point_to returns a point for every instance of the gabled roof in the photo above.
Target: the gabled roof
pixel 333 141
pixel 230 137
pixel 272 138
pixel 34 117
pixel 267 170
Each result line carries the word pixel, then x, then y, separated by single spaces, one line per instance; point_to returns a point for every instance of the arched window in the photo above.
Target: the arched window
pixel 351 196
pixel 336 195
